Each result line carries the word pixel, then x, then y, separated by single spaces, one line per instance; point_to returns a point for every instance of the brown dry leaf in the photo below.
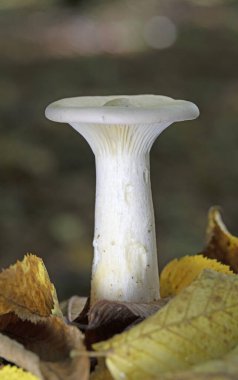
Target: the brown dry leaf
pixel 26 290
pixel 179 273
pixel 107 312
pixel 55 350
pixel 47 341
pixel 107 318
pixel 221 244
pixel 197 325
pixel 15 352
pixel 44 348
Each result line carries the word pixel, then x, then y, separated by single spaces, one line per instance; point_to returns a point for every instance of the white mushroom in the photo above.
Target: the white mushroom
pixel 121 131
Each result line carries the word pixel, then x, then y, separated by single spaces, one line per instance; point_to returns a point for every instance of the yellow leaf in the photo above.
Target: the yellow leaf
pixel 101 372
pixel 199 324
pixel 13 373
pixel 220 369
pixel 221 244
pixel 179 273
pixel 32 336
pixel 26 290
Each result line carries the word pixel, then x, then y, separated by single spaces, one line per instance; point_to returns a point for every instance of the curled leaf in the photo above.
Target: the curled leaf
pixel 179 273
pixel 8 372
pixel 26 290
pixel 221 244
pixel 44 348
pixel 107 318
pixel 198 325
pixel 32 336
pixel 14 352
pixel 108 312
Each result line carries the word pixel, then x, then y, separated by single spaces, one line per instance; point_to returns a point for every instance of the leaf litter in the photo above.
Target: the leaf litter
pixel 220 243
pixel 32 336
pixel 199 324
pixel 191 335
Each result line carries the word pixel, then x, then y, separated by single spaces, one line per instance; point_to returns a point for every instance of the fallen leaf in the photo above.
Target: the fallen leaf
pixel 8 372
pixel 106 312
pixel 107 318
pixel 51 341
pixel 14 352
pixel 179 273
pixel 26 290
pixel 101 372
pixel 221 244
pixel 55 351
pixel 198 325
pixel 220 369
pixel 38 341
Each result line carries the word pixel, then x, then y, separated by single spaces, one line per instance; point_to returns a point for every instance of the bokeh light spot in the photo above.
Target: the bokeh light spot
pixel 160 32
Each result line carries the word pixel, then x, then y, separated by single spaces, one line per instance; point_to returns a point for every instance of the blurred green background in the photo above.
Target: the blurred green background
pixel 60 48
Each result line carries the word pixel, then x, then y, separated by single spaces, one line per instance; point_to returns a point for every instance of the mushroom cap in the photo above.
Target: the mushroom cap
pixel 121 109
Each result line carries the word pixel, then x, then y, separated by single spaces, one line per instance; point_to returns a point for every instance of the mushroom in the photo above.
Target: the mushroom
pixel 121 131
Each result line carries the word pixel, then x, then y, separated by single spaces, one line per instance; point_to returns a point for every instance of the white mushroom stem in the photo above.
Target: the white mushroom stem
pixel 125 264
pixel 121 131
pixel 125 257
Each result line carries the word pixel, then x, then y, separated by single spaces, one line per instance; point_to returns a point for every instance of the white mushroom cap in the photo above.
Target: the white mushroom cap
pixel 133 109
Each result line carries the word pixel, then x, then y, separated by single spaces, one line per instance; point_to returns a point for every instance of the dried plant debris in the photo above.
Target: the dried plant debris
pixel 26 290
pixel 221 244
pixel 15 352
pixel 107 318
pixel 190 335
pixel 34 332
pixel 106 312
pixel 179 273
pixel 52 342
pixel 198 325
